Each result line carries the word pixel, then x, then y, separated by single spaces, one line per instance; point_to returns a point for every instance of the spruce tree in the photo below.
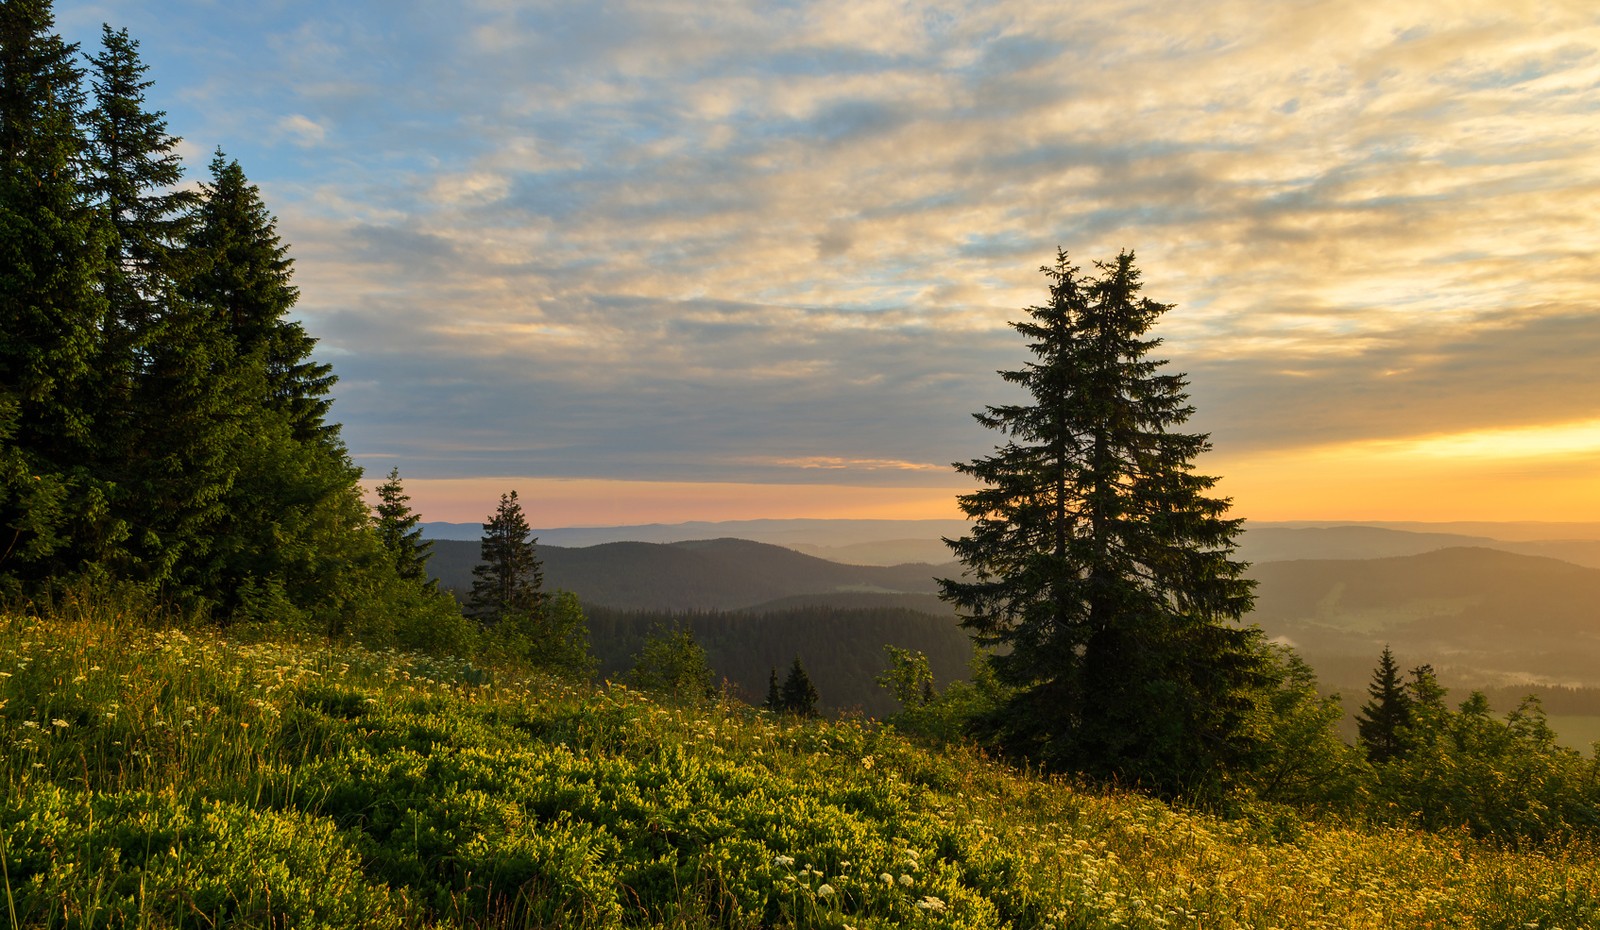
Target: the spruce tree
pixel 799 695
pixel 161 418
pixel 1098 559
pixel 1382 721
pixel 167 412
pixel 293 508
pixel 242 271
pixel 774 701
pixel 55 512
pixel 133 173
pixel 509 576
pixel 397 528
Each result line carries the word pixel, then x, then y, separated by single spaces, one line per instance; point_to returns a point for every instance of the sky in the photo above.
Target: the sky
pixel 703 260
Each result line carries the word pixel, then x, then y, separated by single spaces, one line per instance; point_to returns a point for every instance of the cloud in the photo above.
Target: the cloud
pixel 728 240
pixel 302 131
pixel 841 463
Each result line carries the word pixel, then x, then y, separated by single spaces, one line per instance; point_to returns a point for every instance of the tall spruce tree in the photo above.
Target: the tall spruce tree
pixel 54 510
pixel 292 509
pixel 167 409
pixel 133 173
pixel 242 271
pixel 1097 558
pixel 1382 721
pixel 509 577
pixel 161 419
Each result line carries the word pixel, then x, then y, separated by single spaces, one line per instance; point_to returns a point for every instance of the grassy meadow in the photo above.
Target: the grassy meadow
pixel 159 778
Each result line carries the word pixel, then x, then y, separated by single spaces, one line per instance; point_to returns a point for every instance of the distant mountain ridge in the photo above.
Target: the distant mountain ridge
pixel 895 542
pixel 1271 543
pixel 776 532
pixel 716 574
pixel 1478 614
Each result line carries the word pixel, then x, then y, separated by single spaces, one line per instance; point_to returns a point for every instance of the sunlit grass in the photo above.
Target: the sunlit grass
pixel 157 778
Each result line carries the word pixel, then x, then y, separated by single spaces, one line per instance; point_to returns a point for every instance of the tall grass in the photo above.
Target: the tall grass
pixel 160 778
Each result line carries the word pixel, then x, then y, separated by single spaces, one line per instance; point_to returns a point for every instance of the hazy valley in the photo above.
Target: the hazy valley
pixel 1507 616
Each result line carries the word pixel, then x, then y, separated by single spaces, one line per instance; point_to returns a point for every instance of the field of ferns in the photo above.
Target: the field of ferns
pixel 180 779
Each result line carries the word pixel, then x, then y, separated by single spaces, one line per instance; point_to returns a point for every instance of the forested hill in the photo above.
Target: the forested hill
pixel 1478 614
pixel 1272 543
pixel 717 574
pixel 1485 618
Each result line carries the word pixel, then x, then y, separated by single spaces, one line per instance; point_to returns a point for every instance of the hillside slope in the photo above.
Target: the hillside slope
pixel 171 779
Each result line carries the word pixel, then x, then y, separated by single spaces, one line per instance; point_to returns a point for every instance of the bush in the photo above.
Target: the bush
pixel 1505 779
pixel 671 664
pixel 554 637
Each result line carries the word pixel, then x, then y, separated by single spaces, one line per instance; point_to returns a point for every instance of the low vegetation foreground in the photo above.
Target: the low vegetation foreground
pixel 165 778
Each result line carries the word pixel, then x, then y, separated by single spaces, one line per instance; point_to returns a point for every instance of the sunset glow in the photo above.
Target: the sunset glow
pixel 678 262
pixel 558 502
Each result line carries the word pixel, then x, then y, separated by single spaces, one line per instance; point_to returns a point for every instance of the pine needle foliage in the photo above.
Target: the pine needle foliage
pixel 509 577
pixel 799 696
pixel 163 423
pixel 398 529
pixel 1097 558
pixel 1383 720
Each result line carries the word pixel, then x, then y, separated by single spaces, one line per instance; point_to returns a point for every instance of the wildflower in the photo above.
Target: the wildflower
pixel 931 903
pixel 886 878
pixel 825 891
pixel 907 880
pixel 783 861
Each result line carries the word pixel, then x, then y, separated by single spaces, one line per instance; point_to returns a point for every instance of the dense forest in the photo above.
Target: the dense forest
pixel 164 427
